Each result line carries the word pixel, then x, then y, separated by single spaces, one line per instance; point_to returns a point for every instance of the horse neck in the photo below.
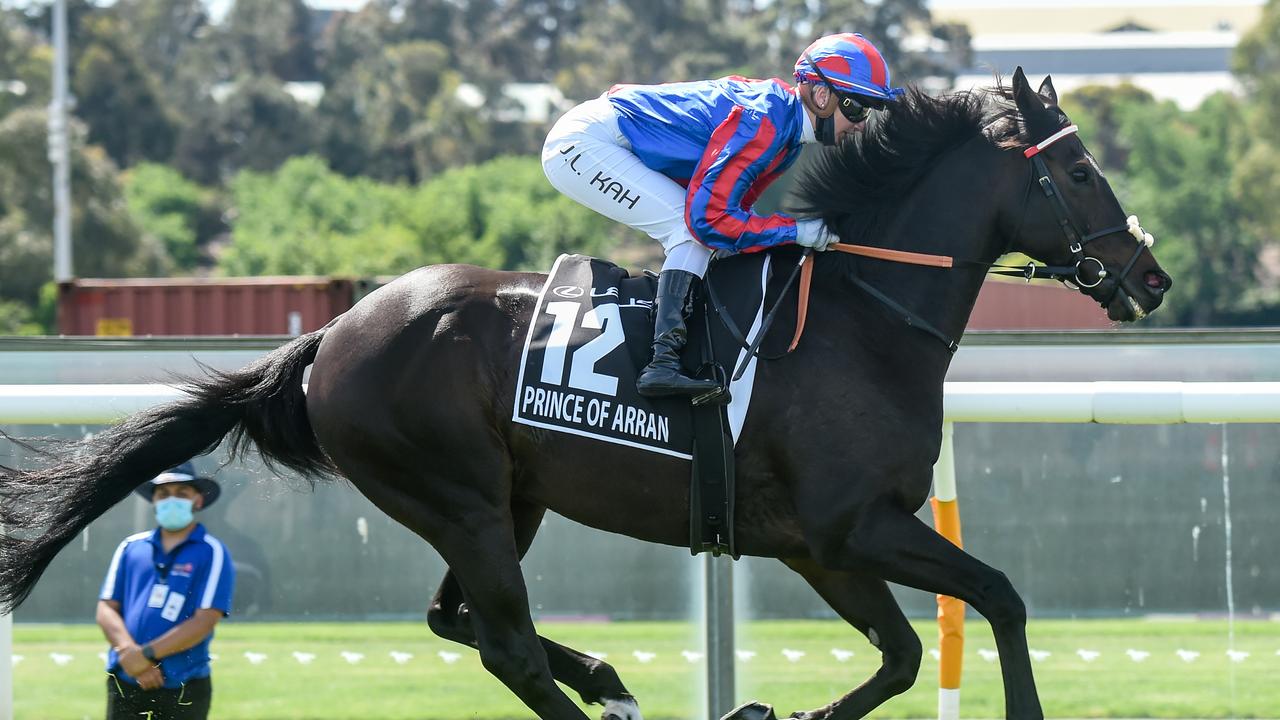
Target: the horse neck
pixel 953 211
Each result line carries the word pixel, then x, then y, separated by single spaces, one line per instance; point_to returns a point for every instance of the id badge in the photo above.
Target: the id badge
pixel 159 592
pixel 173 606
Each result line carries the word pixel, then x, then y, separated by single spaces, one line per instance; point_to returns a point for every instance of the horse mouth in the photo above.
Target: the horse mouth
pixel 1138 312
pixel 1125 308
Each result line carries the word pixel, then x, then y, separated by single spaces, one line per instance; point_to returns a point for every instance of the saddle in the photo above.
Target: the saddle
pixel 590 336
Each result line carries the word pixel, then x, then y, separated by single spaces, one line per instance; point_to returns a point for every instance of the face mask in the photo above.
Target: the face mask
pixel 174 513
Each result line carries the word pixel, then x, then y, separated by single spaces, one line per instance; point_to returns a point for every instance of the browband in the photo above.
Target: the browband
pixel 1035 149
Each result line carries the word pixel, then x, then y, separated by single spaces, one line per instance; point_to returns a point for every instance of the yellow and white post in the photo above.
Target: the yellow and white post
pixel 946 520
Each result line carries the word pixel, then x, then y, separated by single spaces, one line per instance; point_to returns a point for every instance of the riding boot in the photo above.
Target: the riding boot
pixel 663 375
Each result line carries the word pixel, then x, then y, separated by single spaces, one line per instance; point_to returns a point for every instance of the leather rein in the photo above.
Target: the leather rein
pixel 1070 275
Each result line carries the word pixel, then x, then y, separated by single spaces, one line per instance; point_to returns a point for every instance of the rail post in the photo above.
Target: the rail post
pixel 946 519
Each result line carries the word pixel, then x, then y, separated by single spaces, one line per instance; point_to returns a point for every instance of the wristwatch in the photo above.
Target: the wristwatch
pixel 149 652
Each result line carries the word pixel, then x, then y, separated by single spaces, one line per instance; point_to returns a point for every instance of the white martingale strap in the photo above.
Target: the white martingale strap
pixel 1035 150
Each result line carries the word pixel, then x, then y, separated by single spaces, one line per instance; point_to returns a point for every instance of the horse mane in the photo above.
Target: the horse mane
pixel 858 184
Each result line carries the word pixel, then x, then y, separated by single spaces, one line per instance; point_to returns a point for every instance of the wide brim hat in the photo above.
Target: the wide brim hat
pixel 184 473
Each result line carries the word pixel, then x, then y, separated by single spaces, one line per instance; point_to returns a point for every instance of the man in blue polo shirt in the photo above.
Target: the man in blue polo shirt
pixel 164 592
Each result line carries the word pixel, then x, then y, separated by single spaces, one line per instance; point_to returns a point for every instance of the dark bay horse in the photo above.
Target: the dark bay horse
pixel 411 397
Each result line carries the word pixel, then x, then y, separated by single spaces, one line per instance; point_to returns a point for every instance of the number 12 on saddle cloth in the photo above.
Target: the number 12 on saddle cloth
pixel 591 333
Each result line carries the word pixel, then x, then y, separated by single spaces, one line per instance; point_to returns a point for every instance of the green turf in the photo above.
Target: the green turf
pixel 1113 685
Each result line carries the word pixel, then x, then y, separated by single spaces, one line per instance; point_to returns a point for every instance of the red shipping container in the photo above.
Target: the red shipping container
pixel 1016 305
pixel 202 306
pixel 294 305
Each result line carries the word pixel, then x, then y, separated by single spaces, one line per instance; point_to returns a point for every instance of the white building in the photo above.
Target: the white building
pixel 1179 51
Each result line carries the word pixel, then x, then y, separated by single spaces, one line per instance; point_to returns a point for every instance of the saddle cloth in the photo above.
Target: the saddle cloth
pixel 592 333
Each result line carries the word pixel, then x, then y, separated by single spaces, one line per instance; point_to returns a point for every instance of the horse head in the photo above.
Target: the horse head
pixel 1069 216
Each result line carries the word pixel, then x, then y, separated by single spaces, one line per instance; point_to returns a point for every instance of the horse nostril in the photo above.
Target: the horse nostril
pixel 1157 281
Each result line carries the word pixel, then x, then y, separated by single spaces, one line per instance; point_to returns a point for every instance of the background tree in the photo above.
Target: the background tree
pixel 636 41
pixel 786 27
pixel 182 216
pixel 1257 63
pixel 367 119
pixel 1181 176
pixel 306 219
pixel 270 37
pixel 25 62
pixel 1097 110
pixel 190 143
pixel 117 97
pixel 164 32
pixel 255 126
pixel 1256 178
pixel 106 241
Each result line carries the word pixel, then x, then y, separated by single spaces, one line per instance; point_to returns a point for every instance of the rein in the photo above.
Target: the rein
pixel 1066 274
pixel 753 346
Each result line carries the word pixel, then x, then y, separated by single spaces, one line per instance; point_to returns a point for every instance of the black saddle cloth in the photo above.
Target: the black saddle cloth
pixel 592 333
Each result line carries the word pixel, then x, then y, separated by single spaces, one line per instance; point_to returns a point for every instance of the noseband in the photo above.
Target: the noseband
pixel 1075 239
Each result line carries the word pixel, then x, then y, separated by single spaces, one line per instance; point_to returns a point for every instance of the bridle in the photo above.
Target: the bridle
pixel 1072 274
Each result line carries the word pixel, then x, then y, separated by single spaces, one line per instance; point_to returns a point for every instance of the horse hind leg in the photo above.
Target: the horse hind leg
pixel 594 680
pixel 458 513
pixel 487 566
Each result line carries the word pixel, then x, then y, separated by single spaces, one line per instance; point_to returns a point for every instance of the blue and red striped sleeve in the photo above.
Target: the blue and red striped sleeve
pixel 744 149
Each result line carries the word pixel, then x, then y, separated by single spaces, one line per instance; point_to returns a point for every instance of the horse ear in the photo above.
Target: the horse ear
pixel 1047 92
pixel 1028 102
pixel 1040 121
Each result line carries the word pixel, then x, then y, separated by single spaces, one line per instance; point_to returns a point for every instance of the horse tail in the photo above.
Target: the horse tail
pixel 42 510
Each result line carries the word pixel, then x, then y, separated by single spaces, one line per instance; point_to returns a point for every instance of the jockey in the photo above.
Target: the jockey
pixel 685 162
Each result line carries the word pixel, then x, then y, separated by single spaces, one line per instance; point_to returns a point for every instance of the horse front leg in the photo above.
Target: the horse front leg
pixel 865 602
pixel 895 545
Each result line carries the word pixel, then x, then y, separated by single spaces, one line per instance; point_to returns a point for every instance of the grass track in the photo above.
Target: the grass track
pixel 329 688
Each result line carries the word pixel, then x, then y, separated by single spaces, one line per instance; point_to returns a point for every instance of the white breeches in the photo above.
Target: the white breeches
pixel 587 158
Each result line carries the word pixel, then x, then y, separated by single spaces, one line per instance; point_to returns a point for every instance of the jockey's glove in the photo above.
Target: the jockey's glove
pixel 813 233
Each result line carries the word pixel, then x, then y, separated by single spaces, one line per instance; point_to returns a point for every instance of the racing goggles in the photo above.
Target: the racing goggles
pixel 855 109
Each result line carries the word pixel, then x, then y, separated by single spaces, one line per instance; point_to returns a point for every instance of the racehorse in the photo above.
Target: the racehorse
pixel 411 395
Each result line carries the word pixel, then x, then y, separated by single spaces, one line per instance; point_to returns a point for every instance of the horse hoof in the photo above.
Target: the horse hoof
pixel 751 711
pixel 621 709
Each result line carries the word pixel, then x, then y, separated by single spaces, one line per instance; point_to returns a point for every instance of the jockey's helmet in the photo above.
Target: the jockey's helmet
pixel 848 62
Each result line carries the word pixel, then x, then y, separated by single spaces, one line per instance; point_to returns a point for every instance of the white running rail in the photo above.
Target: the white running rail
pixel 1151 403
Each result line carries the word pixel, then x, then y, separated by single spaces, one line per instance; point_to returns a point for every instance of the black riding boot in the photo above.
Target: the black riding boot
pixel 663 375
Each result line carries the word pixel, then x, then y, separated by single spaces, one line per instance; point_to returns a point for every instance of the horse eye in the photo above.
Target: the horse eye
pixel 1079 174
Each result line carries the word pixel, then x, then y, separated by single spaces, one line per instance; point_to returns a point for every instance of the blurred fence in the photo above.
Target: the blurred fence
pixel 1087 520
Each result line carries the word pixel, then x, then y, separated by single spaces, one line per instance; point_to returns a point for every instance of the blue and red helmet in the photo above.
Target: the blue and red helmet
pixel 850 63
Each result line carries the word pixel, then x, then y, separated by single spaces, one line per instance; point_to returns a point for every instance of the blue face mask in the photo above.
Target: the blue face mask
pixel 174 513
